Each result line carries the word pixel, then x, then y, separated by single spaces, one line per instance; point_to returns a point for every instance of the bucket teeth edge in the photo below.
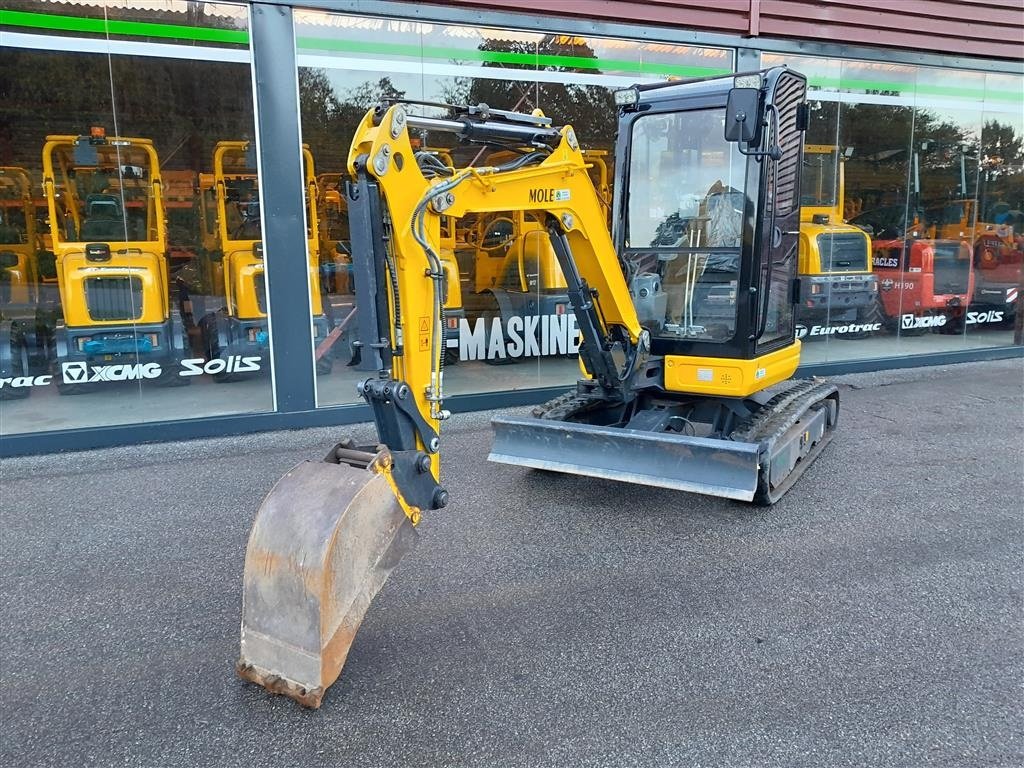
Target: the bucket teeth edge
pixel 310 698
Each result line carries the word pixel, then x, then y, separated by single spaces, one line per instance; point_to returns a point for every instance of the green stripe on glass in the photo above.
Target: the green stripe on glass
pixel 52 22
pixel 502 57
pixel 90 26
pixel 909 89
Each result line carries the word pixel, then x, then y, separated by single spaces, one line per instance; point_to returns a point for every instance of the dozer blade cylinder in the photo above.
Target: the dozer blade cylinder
pixel 697 464
pixel 325 540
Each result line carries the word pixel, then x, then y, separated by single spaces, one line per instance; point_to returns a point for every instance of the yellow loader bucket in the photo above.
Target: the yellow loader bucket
pixel 325 540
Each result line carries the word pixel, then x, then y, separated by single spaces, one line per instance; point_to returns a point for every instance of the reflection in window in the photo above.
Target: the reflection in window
pixel 686 200
pixel 818 185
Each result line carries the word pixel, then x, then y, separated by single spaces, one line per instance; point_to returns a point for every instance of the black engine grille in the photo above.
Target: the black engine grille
pixel 843 252
pixel 114 298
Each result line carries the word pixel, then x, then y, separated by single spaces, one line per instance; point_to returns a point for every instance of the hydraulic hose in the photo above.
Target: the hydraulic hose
pixel 436 271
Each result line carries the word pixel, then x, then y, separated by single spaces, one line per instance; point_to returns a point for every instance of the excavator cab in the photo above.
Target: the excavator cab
pixel 710 221
pixel 685 309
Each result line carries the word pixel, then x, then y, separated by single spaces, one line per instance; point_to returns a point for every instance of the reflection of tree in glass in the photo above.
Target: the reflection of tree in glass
pixel 1002 175
pixel 590 109
pixel 1001 149
pixel 876 131
pixel 322 117
pixel 329 121
pixel 884 139
pixel 370 94
pixel 185 107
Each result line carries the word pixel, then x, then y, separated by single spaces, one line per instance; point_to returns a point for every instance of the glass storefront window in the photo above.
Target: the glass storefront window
pixel 923 160
pixel 131 228
pixel 130 263
pixel 501 268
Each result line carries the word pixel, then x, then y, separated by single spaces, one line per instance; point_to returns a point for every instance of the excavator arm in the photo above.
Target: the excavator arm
pixel 403 334
pixel 329 533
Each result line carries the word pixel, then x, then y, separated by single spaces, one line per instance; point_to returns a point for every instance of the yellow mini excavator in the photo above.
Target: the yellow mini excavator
pixel 686 311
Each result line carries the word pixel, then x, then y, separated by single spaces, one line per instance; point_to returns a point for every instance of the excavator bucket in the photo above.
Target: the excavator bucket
pixel 667 460
pixel 325 540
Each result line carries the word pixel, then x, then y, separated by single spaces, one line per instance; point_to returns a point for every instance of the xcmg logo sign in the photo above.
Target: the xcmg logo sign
pixel 912 322
pixel 83 373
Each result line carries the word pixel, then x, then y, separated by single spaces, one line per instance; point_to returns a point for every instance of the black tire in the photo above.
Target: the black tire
pixel 496 361
pixel 488 318
pixel 169 376
pixel 872 313
pixel 178 341
pixel 14 360
pixel 71 389
pixel 911 332
pixel 216 335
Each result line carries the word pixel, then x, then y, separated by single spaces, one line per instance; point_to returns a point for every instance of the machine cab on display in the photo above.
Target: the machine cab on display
pixel 836 283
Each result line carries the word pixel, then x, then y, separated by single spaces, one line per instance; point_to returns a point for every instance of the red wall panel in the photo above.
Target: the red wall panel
pixel 987 28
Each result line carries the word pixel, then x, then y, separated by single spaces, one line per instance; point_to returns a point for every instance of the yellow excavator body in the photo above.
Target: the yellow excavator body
pixel 328 534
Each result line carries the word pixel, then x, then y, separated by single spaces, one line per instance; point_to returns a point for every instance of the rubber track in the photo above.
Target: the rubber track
pixel 560 407
pixel 784 419
pixel 761 425
pixel 774 424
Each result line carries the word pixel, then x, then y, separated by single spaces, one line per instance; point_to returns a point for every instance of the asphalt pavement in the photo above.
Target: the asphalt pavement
pixel 871 618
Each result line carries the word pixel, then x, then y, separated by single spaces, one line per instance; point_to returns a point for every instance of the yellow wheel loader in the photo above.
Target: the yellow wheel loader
pixel 109 237
pixel 686 374
pixel 19 284
pixel 838 291
pixel 236 332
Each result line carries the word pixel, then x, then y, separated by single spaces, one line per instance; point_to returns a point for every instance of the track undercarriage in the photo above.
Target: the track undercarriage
pixel 752 449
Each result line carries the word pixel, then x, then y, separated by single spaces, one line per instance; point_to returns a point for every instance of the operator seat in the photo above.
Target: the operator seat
pixel 105 220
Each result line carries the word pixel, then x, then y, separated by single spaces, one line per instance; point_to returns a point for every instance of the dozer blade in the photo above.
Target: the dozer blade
pixel 324 542
pixel 697 464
